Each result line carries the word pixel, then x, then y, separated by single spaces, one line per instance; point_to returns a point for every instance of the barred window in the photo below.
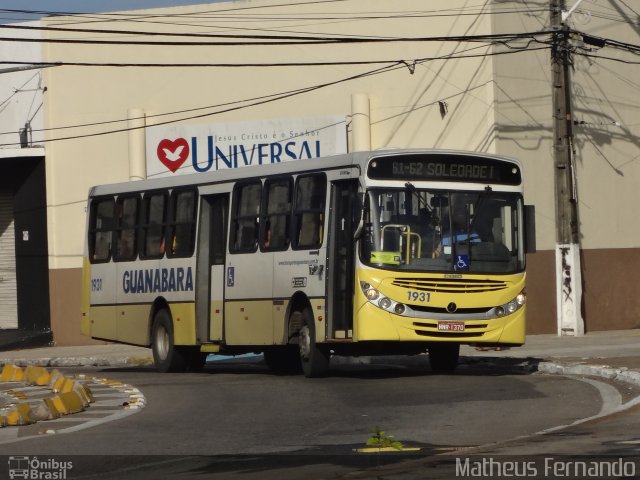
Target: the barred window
pixel 277 213
pixel 182 224
pixel 309 211
pixel 126 229
pixel 101 226
pixel 245 217
pixel 153 226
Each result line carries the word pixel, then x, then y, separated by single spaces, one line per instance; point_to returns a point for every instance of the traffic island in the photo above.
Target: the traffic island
pixel 23 403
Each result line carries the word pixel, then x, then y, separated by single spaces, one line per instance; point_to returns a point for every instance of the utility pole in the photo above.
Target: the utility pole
pixel 568 267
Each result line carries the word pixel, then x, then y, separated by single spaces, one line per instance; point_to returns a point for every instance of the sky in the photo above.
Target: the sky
pixel 83 6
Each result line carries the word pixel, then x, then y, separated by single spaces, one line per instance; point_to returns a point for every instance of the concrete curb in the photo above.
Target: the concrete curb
pixel 53 362
pixel 622 374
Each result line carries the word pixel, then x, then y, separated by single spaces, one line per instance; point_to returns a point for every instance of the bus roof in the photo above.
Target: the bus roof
pixel 349 160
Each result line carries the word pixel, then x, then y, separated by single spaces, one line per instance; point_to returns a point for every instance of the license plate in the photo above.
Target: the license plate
pixel 451 326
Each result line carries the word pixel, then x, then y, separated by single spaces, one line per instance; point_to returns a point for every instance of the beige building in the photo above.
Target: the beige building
pixel 448 74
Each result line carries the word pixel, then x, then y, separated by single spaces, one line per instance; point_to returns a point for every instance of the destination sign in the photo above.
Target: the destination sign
pixel 445 168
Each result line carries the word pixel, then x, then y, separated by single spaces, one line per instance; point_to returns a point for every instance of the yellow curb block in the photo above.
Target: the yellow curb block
pixel 19 414
pixel 37 375
pixel 45 410
pixel 57 383
pixel 84 392
pixel 67 403
pixel 11 373
pixel 67 385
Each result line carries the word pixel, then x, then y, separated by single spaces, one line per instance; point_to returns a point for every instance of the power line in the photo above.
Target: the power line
pixel 258 101
pixel 613 59
pixel 281 64
pixel 253 102
pixel 460 55
pixel 223 14
pixel 276 40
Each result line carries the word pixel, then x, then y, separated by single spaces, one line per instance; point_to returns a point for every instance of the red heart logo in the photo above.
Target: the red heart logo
pixel 173 153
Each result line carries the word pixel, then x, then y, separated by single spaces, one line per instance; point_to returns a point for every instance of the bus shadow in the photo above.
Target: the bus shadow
pixel 371 367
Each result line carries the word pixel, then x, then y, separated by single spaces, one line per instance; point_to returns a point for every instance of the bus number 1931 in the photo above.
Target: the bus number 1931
pixel 418 296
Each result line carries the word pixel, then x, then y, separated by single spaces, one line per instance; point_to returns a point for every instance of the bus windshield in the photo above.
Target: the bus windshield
pixel 443 231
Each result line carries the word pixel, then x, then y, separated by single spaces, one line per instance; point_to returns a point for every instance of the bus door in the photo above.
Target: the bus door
pixel 210 277
pixel 340 258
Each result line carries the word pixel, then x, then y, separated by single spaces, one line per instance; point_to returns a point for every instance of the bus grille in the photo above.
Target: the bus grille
pixel 450 285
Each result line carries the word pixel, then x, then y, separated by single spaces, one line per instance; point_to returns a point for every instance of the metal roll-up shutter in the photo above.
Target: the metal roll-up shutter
pixel 8 297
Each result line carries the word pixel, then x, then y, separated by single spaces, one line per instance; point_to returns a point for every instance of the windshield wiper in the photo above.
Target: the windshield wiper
pixel 479 204
pixel 421 203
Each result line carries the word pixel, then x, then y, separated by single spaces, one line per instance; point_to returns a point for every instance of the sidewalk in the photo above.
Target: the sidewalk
pixel 617 350
pixel 110 355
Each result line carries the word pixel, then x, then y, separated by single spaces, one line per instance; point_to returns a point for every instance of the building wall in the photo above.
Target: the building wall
pixel 495 104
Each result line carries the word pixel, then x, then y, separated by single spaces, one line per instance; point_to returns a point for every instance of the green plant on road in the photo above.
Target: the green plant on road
pixel 380 439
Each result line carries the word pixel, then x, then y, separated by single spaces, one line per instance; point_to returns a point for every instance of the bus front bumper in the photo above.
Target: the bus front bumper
pixel 375 324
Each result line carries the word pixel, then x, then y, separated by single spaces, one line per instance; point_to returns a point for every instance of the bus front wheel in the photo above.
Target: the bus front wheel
pixel 166 356
pixel 313 357
pixel 444 358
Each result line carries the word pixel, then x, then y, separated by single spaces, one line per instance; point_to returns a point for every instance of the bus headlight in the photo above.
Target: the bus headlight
pixel 512 306
pixel 376 298
pixel 371 293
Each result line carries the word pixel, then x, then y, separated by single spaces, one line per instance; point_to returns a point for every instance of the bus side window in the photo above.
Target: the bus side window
pixel 127 208
pixel 309 211
pixel 277 210
pixel 245 217
pixel 153 228
pixel 183 224
pixel 101 228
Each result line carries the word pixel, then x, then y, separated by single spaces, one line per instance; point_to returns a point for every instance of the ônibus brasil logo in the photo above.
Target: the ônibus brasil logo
pixel 35 468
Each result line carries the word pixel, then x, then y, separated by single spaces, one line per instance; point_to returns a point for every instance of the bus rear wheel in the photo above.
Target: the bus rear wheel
pixel 444 358
pixel 313 357
pixel 166 356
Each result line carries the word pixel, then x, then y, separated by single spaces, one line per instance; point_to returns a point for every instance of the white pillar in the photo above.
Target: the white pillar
pixel 569 290
pixel 137 147
pixel 360 123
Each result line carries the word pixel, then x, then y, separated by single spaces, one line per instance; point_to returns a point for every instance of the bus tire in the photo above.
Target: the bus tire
pixel 313 357
pixel 166 356
pixel 444 358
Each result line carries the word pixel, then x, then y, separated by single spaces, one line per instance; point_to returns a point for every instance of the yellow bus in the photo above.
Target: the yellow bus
pixel 367 253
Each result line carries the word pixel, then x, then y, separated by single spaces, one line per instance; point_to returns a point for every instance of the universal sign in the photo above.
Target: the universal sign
pixel 178 149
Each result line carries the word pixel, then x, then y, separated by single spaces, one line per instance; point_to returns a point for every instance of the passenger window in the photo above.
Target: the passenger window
pixel 154 225
pixel 309 211
pixel 101 230
pixel 245 220
pixel 182 228
pixel 276 217
pixel 127 218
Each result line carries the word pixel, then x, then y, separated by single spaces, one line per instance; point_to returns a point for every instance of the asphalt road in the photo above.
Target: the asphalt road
pixel 244 419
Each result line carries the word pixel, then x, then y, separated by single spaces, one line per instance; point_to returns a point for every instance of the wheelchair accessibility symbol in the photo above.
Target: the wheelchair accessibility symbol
pixel 462 262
